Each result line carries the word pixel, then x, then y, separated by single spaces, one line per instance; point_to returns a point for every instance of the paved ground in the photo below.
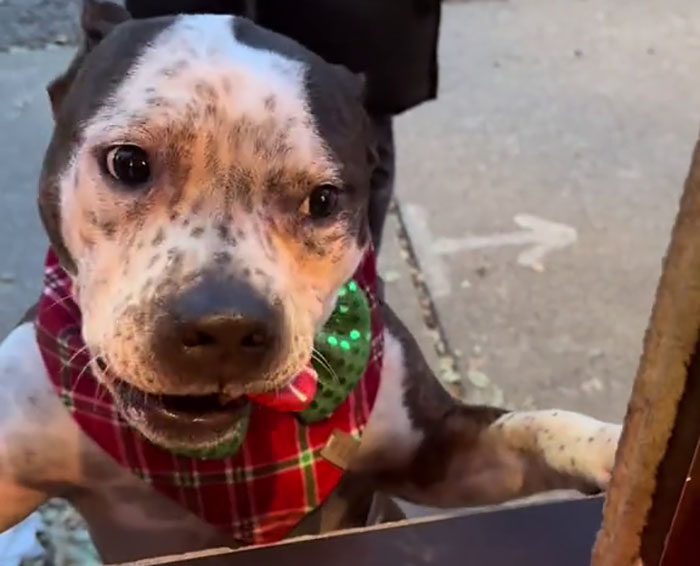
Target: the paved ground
pixel 36 23
pixel 577 112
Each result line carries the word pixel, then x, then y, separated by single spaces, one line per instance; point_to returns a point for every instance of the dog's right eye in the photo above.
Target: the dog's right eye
pixel 128 164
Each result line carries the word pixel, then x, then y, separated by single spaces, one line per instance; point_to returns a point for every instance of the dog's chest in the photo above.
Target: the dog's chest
pixel 127 518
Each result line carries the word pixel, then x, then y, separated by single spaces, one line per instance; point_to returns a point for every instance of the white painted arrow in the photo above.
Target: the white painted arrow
pixel 539 235
pixel 544 235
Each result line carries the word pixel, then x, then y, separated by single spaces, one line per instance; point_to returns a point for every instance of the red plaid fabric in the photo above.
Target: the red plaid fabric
pixel 258 495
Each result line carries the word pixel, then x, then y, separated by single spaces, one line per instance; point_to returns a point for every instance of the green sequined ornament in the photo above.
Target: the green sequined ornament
pixel 342 349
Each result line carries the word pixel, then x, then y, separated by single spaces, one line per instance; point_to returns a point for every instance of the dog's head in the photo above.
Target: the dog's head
pixel 207 187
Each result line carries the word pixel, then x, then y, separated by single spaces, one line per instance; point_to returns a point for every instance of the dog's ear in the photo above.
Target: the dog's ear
pixel 361 80
pixel 360 85
pixel 354 83
pixel 97 20
pixel 357 83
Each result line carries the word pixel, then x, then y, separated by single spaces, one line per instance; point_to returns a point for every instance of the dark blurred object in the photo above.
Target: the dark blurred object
pixel 393 42
pixel 545 534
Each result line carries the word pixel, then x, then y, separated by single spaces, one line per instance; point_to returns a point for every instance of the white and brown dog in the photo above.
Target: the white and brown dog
pixel 206 190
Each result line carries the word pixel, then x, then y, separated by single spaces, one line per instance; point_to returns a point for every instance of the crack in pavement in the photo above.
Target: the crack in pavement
pixel 449 371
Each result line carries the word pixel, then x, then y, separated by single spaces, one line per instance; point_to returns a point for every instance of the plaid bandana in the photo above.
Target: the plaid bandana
pixel 256 495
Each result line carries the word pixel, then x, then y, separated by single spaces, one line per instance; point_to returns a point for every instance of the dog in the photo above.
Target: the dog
pixel 205 194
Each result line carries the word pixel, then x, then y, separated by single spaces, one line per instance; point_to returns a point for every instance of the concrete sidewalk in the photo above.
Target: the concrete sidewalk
pixel 579 113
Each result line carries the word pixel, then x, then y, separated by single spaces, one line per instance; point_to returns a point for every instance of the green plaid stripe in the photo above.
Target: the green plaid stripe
pixel 305 463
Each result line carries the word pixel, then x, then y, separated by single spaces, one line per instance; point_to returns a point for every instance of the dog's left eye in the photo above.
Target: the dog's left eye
pixel 128 164
pixel 322 202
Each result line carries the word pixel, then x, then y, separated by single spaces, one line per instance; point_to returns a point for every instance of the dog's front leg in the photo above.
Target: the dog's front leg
pixel 37 456
pixel 467 460
pixel 425 446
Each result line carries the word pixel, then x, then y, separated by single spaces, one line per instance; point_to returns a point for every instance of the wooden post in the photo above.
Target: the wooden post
pixel 650 504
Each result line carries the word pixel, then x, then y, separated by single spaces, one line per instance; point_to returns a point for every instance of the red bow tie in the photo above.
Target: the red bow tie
pixel 294 397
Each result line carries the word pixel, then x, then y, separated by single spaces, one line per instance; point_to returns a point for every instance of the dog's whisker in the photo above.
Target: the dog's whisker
pixel 60 301
pixel 319 357
pixel 102 390
pixel 86 367
pixel 78 352
pixel 103 393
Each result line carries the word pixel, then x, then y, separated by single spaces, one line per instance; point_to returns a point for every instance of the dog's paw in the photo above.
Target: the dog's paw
pixel 597 456
pixel 574 446
pixel 580 447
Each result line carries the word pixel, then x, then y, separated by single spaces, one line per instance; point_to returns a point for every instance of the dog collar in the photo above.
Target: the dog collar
pixel 280 471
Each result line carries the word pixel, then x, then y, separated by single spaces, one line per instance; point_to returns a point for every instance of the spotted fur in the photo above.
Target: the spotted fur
pixel 242 124
pixel 236 150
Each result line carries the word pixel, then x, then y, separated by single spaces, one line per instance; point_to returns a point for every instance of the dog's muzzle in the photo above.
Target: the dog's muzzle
pixel 213 338
pixel 220 331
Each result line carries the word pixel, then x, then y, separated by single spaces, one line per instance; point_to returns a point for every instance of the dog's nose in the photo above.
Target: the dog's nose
pixel 219 327
pixel 221 336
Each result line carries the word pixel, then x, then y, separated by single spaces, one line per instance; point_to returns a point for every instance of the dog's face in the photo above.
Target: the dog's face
pixel 207 188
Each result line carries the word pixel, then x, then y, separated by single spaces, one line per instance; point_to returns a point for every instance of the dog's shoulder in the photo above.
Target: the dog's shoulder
pixel 22 373
pixel 39 439
pixel 409 399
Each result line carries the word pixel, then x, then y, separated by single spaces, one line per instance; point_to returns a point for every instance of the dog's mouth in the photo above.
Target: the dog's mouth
pixel 177 421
